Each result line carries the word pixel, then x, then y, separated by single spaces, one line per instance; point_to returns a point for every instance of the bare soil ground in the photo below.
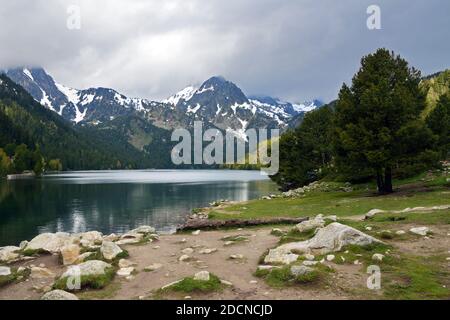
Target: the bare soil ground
pixel 348 282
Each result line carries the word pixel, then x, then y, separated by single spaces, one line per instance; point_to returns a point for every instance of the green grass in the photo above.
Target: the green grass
pixel 14 277
pixel 34 252
pixel 282 277
pixel 90 282
pixel 294 235
pixel 358 202
pixel 189 285
pixel 107 292
pixel 414 278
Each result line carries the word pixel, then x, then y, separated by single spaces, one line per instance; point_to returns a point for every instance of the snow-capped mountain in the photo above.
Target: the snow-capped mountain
pixel 217 102
pixel 223 104
pixel 90 105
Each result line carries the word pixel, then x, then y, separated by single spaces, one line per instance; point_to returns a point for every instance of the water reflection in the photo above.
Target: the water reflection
pixel 116 201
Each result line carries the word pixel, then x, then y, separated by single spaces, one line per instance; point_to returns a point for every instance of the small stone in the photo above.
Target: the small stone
pixel 124 263
pixel 300 270
pixel 421 231
pixel 267 267
pixel 141 297
pixel 153 267
pixel 184 257
pixel 400 232
pixel 310 263
pixel 125 272
pixel 187 298
pixel 196 233
pixel 42 265
pixel 253 282
pixel 202 276
pixel 356 262
pixel 226 283
pixel 309 257
pixel 368 228
pixel 331 257
pixel 5 271
pixel 208 251
pixel 187 251
pixel 130 278
pixel 343 259
pixel 228 243
pixel 41 273
pixel 237 257
pixel 110 250
pixel 378 257
pixel 156 247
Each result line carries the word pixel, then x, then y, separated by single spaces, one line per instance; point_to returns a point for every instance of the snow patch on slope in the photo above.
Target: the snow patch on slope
pixel 71 94
pixel 186 94
pixel 28 74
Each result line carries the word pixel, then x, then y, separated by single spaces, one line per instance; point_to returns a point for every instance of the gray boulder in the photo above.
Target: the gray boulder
pixel 59 295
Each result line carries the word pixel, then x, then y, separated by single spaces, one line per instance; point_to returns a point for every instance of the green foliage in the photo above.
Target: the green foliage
pixel 5 163
pixel 439 122
pixel 434 87
pixel 92 282
pixel 25 121
pixel 55 165
pixel 377 122
pixel 305 153
pixel 189 285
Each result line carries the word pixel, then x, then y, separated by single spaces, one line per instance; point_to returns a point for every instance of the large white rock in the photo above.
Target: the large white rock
pixel 5 271
pixel 373 212
pixel 421 231
pixel 59 295
pixel 9 253
pixel 280 256
pixel 202 276
pixel 70 254
pixel 88 268
pixel 317 222
pixel 90 238
pixel 332 238
pixel 144 230
pixel 130 238
pixel 110 250
pixel 51 242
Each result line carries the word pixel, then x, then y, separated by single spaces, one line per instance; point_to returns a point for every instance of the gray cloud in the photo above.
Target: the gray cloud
pixel 292 49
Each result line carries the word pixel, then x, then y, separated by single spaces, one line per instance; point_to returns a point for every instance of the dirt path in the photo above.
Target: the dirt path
pixel 238 272
pixel 348 282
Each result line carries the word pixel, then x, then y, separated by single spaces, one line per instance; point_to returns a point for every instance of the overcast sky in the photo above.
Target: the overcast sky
pixel 292 49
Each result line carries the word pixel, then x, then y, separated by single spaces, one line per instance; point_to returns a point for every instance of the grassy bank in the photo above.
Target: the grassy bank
pixel 415 192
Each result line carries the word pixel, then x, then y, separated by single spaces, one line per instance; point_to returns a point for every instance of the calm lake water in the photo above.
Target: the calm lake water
pixel 117 201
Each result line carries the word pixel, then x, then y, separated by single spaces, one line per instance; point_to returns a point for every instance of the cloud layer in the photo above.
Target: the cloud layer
pixel 293 49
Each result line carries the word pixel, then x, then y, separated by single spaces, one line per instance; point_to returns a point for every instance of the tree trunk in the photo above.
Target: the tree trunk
pixel 388 180
pixel 380 182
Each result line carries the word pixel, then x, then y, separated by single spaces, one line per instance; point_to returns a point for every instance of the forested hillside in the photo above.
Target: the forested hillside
pixel 23 121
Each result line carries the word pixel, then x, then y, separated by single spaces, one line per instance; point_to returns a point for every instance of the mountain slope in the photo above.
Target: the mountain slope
pixel 23 120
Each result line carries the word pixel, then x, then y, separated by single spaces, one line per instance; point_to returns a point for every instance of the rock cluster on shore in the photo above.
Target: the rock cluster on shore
pixel 88 257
